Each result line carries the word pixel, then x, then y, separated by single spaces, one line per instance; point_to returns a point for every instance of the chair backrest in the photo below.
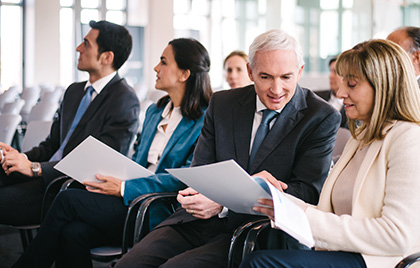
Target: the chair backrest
pixel 8 96
pixel 43 111
pixel 8 125
pixel 13 107
pixel 31 96
pixel 343 135
pixel 30 92
pixel 36 131
pixel 52 96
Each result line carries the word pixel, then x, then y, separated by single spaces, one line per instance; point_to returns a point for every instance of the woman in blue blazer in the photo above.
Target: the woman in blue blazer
pixel 79 220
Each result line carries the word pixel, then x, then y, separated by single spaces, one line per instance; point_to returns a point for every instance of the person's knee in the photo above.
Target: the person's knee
pixel 253 259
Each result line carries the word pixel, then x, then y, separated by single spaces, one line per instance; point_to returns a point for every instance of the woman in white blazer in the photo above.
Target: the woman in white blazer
pixel 369 209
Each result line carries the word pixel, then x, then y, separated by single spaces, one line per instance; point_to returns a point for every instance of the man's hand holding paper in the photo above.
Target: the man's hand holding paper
pixel 197 204
pixel 108 185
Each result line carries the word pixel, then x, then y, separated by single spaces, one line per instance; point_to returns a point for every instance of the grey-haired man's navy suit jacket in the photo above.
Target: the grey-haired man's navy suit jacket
pixel 297 150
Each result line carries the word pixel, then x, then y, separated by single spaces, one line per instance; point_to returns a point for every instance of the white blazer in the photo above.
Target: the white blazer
pixel 384 225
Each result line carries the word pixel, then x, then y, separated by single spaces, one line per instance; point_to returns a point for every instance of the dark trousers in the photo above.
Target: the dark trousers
pixel 77 221
pixel 302 259
pixel 197 244
pixel 20 199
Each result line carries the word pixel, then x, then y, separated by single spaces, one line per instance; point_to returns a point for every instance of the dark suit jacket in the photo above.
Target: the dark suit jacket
pixel 112 117
pixel 326 95
pixel 297 150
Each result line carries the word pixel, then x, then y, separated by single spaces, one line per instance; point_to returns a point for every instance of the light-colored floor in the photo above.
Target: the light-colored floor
pixel 11 248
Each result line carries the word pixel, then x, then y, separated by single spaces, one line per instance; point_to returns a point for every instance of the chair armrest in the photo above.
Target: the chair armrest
pixel 52 189
pixel 409 260
pixel 137 214
pixel 238 239
pixel 252 236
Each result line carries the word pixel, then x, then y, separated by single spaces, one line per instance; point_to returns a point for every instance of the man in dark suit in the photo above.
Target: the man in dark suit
pixel 409 39
pixel 330 95
pixel 111 115
pixel 296 149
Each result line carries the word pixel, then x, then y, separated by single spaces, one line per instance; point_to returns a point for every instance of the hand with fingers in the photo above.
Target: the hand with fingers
pixel 197 204
pixel 108 185
pixel 267 207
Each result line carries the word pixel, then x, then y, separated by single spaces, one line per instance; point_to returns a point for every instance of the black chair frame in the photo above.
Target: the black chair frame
pixel 246 236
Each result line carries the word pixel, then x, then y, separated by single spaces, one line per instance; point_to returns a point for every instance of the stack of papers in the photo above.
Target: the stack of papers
pixel 229 185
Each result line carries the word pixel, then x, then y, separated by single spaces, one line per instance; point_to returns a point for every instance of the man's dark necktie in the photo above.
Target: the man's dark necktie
pixel 84 104
pixel 262 131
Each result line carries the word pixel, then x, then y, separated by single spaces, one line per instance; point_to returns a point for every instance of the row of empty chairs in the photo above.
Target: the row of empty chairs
pixel 33 103
pixel 34 106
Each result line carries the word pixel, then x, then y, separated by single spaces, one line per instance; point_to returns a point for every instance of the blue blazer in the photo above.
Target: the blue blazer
pixel 177 153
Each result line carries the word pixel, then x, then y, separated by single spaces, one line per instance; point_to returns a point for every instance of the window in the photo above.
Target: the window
pixel 411 11
pixel 74 13
pixel 221 26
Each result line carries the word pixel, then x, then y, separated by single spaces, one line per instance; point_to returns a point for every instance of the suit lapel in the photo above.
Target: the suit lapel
pixel 95 105
pixel 183 126
pixel 147 137
pixel 243 118
pixel 71 113
pixel 285 122
pixel 348 152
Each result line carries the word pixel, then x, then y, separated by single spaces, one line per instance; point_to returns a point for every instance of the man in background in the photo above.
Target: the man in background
pixel 104 107
pixel 409 39
pixel 330 95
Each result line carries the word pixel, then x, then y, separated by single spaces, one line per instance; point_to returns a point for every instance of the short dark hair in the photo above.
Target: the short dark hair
pixel 192 55
pixel 115 38
pixel 414 34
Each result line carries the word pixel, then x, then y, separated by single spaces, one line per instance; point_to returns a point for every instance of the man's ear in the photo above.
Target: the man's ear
pixel 300 72
pixel 416 57
pixel 248 67
pixel 107 57
pixel 185 74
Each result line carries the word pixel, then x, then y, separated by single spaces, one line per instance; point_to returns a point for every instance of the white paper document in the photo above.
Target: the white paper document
pixel 288 216
pixel 225 183
pixel 229 185
pixel 92 157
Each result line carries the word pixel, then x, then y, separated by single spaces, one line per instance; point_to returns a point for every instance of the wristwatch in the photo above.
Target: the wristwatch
pixel 36 167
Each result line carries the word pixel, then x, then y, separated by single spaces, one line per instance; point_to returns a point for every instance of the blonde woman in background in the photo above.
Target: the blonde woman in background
pixel 235 69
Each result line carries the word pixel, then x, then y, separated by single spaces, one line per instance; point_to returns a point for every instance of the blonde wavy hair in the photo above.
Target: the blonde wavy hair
pixel 389 71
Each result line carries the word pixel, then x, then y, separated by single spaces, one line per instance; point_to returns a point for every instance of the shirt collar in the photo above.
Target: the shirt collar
pixel 167 110
pixel 261 106
pixel 99 84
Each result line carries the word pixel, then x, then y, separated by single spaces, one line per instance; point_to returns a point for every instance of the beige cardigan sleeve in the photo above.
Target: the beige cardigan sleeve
pixel 386 200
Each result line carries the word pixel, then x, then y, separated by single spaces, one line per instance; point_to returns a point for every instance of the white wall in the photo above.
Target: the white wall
pixel 46 42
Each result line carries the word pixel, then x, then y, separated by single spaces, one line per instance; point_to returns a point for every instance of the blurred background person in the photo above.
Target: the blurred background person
pixel 409 39
pixel 235 69
pixel 331 95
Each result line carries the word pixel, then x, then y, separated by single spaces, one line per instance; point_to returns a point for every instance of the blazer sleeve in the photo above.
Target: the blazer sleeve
pixel 161 182
pixel 392 230
pixel 312 161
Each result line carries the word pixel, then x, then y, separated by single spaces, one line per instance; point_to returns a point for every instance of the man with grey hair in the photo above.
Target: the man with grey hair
pixel 409 39
pixel 273 125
